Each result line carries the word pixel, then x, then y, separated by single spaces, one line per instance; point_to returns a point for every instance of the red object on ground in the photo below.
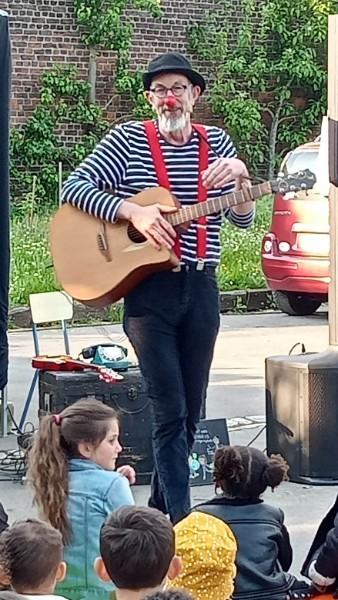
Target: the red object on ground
pixel 67 363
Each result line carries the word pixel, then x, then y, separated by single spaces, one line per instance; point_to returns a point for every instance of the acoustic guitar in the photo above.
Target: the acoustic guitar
pixel 98 263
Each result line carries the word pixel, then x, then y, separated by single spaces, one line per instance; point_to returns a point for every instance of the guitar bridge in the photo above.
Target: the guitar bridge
pixel 103 244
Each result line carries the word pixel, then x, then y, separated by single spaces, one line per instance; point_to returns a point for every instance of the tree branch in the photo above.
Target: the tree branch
pixel 110 101
pixel 267 110
pixel 287 118
pixel 123 118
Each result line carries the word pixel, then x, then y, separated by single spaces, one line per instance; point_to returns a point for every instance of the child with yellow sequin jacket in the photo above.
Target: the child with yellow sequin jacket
pixel 264 553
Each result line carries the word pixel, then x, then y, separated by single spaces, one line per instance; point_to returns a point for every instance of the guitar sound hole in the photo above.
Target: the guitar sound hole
pixel 135 236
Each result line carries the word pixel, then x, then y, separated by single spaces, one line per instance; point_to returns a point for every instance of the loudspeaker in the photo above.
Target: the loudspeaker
pixel 58 389
pixel 302 414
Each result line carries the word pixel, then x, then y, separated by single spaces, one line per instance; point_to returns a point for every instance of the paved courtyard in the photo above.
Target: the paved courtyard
pixel 236 390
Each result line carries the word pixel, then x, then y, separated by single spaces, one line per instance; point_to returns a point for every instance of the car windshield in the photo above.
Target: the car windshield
pixel 298 161
pixel 309 159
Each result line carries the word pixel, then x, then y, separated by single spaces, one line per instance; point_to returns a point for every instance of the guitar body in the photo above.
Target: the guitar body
pixel 98 263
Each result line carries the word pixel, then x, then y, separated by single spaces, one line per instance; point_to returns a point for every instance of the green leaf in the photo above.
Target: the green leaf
pixel 273 73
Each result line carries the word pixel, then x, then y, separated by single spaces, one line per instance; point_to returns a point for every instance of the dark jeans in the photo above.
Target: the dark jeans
pixel 172 321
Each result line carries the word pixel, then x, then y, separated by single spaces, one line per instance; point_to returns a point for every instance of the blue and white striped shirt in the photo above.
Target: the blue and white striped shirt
pixel 122 162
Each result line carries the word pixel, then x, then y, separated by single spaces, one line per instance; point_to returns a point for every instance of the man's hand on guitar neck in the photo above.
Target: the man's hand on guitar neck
pixel 223 171
pixel 150 222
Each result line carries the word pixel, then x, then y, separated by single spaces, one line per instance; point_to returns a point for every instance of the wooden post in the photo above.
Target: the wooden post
pixel 92 74
pixel 333 176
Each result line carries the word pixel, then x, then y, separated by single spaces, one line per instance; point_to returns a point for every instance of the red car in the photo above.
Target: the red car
pixel 295 251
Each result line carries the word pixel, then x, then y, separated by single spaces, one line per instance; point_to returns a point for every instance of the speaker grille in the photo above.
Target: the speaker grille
pixel 302 414
pixel 323 422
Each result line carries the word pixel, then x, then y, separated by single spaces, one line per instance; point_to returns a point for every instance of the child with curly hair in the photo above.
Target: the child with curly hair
pixel 264 553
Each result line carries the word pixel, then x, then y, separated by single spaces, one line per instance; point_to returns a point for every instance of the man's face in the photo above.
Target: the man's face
pixel 172 85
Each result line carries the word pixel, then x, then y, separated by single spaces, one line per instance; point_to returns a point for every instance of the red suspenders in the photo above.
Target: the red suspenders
pixel 202 191
pixel 163 179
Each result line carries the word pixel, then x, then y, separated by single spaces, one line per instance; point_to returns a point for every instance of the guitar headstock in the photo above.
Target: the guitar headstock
pixel 293 182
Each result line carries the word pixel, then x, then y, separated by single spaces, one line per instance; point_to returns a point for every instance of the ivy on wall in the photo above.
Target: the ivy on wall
pixel 38 147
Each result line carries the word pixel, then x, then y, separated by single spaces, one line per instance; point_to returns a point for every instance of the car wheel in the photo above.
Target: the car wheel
pixel 293 303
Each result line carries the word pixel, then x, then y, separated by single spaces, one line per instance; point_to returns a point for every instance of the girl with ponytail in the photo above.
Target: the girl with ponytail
pixel 71 467
pixel 264 554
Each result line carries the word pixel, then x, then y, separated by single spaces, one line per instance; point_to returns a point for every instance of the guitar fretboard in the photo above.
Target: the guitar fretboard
pixel 214 205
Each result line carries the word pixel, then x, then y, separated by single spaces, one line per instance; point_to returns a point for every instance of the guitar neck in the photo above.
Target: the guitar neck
pixel 214 205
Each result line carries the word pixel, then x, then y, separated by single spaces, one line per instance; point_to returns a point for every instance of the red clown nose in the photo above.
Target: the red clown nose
pixel 171 102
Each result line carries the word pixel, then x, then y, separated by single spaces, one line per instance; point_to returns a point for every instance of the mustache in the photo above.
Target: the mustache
pixel 164 107
pixel 185 110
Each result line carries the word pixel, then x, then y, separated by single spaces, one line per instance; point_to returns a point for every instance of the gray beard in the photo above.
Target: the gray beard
pixel 172 124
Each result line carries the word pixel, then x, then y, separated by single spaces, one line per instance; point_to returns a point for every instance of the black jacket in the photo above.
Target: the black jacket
pixel 264 552
pixel 324 548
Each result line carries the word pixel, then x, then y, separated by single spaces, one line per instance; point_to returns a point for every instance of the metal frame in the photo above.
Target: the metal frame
pixel 38 319
pixel 3 408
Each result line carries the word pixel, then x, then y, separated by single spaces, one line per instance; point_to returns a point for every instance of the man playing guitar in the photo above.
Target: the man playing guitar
pixel 172 317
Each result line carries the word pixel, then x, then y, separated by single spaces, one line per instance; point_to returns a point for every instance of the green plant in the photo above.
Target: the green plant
pixel 269 80
pixel 66 101
pixel 240 265
pixel 105 25
pixel 129 83
pixel 31 264
pixel 36 148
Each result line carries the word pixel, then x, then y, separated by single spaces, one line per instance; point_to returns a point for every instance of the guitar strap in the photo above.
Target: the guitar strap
pixel 163 179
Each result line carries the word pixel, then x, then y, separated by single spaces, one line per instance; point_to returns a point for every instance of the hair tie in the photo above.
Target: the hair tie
pixel 57 420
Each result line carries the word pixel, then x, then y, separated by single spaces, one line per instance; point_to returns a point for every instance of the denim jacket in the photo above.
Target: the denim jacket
pixel 93 494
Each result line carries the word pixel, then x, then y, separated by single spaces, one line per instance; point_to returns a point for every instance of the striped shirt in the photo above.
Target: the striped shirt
pixel 122 162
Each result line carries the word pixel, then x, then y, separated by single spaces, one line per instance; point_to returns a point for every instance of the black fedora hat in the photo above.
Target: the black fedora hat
pixel 172 63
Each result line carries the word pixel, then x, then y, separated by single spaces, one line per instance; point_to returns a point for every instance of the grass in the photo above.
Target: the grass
pixel 31 264
pixel 32 271
pixel 240 266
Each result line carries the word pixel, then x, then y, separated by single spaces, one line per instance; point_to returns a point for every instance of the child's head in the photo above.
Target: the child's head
pixel 245 472
pixel 171 594
pixel 86 429
pixel 137 547
pixel 31 554
pixel 207 548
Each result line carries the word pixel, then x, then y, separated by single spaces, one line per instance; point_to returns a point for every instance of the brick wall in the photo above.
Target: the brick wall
pixel 44 32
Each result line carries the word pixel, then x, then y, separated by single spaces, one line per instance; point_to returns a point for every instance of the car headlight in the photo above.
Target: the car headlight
pixel 267 246
pixel 284 246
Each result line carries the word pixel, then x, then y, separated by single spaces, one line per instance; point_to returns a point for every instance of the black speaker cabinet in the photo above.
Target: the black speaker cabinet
pixel 58 389
pixel 302 414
